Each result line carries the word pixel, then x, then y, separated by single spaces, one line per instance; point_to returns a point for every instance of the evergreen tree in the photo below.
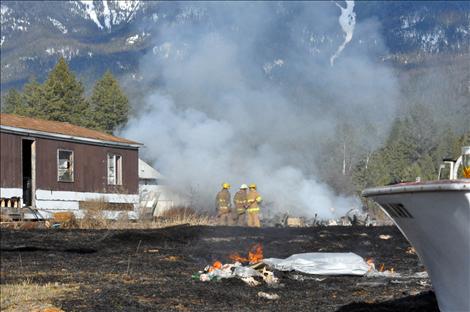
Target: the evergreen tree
pixel 64 96
pixel 33 100
pixel 12 102
pixel 109 103
pixel 28 103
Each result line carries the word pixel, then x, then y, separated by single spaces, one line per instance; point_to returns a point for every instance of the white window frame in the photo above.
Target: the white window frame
pixel 117 165
pixel 72 165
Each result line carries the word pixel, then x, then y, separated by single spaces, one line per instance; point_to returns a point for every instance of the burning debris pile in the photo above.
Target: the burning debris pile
pixel 250 269
pixel 255 269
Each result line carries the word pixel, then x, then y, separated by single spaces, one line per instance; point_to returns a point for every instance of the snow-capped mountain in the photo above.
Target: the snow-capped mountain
pixel 106 14
pixel 97 35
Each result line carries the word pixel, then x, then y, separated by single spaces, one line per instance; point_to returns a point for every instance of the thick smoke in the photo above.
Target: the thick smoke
pixel 246 94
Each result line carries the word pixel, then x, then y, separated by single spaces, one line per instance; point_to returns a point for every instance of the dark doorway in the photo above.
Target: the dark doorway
pixel 27 172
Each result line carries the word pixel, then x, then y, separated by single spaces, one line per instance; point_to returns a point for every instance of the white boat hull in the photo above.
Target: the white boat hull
pixel 435 218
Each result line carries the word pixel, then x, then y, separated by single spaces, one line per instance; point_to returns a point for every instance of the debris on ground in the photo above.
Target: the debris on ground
pixel 254 267
pixel 295 222
pixel 250 281
pixel 422 274
pixel 386 273
pixel 411 250
pixel 381 272
pixel 299 277
pixel 321 263
pixel 269 277
pixel 269 296
pixel 385 237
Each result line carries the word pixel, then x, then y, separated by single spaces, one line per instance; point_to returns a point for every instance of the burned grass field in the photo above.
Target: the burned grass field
pixel 151 270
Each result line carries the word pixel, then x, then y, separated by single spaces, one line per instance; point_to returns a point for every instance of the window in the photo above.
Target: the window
pixel 114 169
pixel 64 165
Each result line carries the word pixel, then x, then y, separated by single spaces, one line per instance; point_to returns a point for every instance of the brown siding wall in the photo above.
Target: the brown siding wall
pixel 10 160
pixel 90 168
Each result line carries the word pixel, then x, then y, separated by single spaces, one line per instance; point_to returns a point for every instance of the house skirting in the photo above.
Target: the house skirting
pixel 48 201
pixel 6 192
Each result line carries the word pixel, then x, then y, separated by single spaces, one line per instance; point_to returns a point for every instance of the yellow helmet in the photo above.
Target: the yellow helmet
pixel 226 185
pixel 253 186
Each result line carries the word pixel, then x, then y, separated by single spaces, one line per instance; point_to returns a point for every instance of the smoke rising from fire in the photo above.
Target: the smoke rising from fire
pixel 246 94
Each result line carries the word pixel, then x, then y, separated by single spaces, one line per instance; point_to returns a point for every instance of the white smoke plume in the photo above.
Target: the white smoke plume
pixel 217 115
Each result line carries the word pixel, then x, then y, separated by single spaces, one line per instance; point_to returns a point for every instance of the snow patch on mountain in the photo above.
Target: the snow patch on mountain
pixel 10 22
pixel 432 41
pixel 125 11
pixel 347 20
pixel 463 30
pixel 66 52
pixel 411 20
pixel 191 14
pixel 131 40
pixel 107 13
pixel 90 11
pixel 268 67
pixel 28 58
pixel 58 25
pixel 4 11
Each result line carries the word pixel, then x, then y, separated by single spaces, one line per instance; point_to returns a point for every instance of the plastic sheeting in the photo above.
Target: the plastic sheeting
pixel 322 263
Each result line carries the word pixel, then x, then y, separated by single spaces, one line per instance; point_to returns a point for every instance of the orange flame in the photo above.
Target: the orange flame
pixel 215 266
pixel 255 255
pixel 371 264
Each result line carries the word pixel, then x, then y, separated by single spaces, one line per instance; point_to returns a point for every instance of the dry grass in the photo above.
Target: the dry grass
pixel 33 297
pixel 93 219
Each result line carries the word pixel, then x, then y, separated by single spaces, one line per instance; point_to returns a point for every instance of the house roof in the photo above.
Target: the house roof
pixel 148 172
pixel 49 127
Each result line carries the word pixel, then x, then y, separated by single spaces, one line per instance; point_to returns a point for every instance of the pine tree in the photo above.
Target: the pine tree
pixel 64 96
pixel 109 103
pixel 12 102
pixel 30 102
pixel 33 100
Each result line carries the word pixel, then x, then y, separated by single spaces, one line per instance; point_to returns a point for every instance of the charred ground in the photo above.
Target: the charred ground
pixel 150 270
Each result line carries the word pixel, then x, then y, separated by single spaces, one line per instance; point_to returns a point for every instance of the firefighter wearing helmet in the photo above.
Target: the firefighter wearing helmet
pixel 241 204
pixel 254 199
pixel 223 205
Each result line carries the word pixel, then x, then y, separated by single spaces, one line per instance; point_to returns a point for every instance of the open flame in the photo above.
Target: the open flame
pixel 255 255
pixel 215 266
pixel 370 262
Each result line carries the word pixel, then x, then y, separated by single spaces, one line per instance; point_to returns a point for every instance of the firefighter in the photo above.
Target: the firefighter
pixel 223 205
pixel 241 204
pixel 253 199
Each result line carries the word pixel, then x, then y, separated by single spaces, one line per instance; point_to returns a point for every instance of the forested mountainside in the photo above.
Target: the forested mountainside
pixel 98 35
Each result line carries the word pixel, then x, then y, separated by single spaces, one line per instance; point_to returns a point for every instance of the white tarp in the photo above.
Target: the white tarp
pixel 322 263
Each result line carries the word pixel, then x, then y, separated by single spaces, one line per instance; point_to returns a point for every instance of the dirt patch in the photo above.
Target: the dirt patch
pixel 150 270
